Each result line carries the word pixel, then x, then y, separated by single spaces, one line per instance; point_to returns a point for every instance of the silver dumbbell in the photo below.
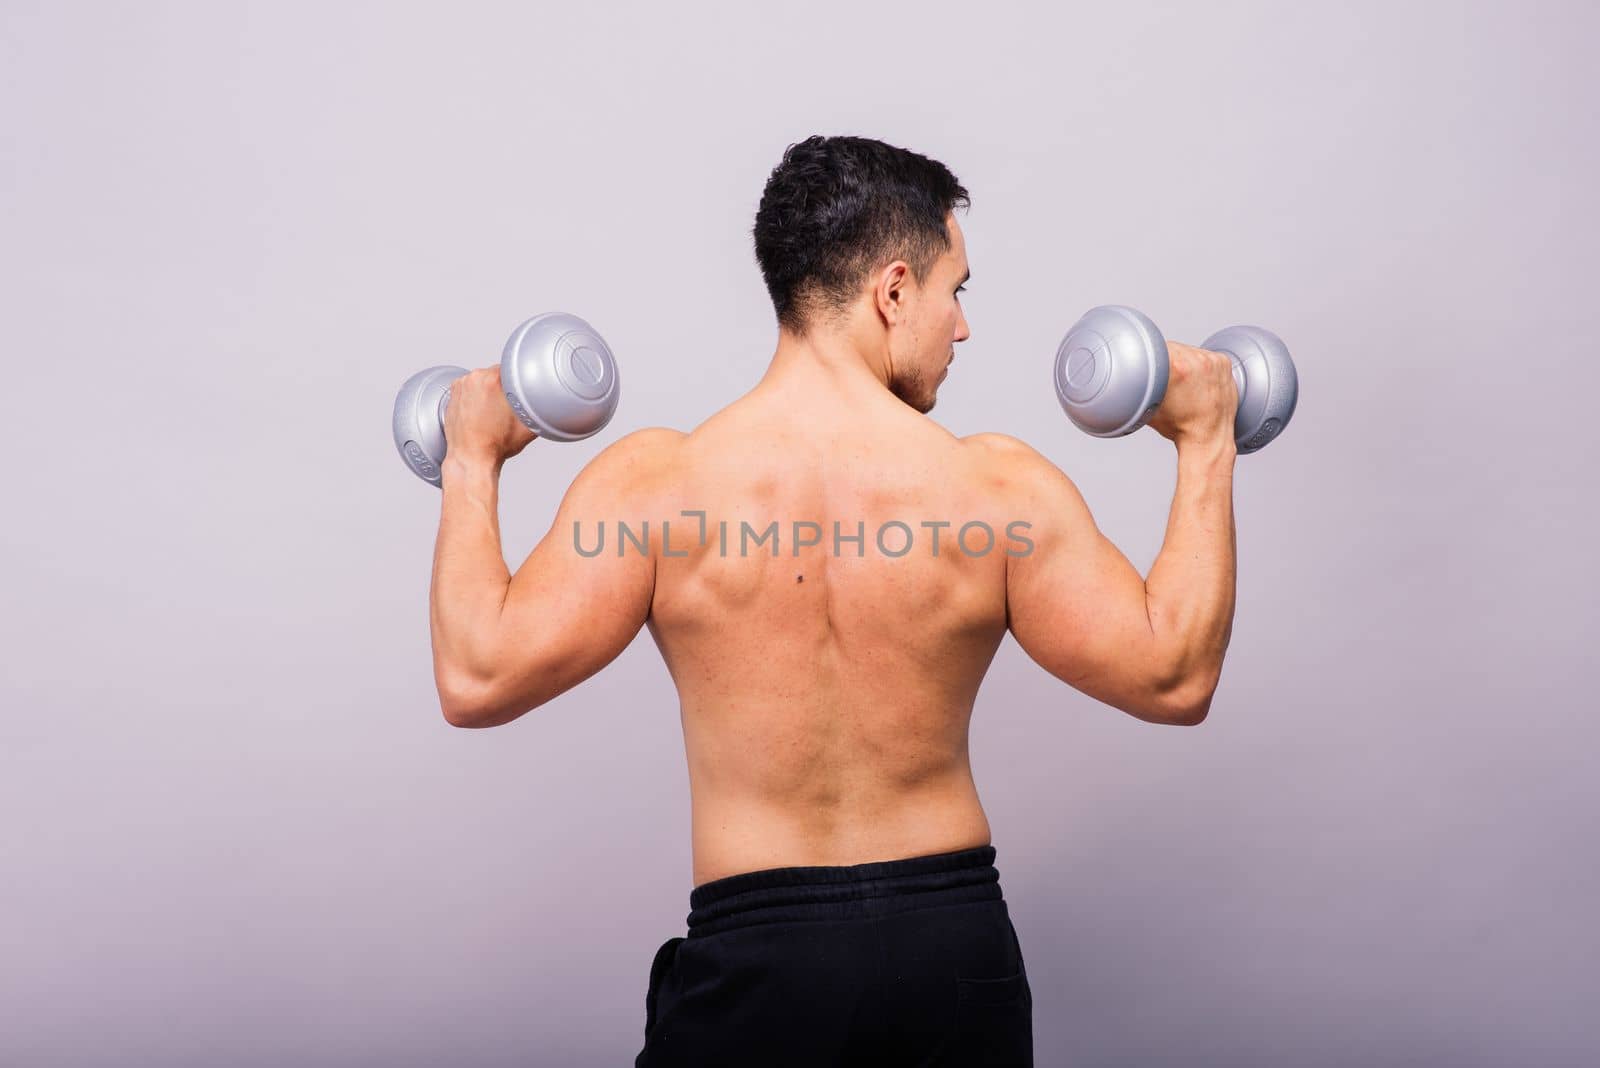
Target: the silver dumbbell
pixel 1111 375
pixel 559 376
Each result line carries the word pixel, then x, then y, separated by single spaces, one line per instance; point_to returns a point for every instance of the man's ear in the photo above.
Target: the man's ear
pixel 890 293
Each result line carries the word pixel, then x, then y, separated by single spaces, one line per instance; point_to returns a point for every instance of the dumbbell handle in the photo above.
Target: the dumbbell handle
pixel 1237 368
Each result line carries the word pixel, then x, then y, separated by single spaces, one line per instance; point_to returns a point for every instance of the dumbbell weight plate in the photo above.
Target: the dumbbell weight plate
pixel 1268 385
pixel 419 419
pixel 568 374
pixel 1111 370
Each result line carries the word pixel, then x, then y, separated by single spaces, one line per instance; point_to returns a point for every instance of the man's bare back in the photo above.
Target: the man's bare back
pixel 826 689
pixel 825 694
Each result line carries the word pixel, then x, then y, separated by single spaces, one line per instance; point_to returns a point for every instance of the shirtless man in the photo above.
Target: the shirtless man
pixel 817 577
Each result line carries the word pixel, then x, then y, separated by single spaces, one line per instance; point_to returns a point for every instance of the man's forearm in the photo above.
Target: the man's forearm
pixel 1190 589
pixel 470 578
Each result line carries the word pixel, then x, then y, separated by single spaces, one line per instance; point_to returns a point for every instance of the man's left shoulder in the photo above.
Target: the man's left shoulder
pixel 636 460
pixel 651 444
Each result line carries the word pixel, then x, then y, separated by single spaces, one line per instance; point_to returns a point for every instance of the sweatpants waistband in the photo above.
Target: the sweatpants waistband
pixel 855 891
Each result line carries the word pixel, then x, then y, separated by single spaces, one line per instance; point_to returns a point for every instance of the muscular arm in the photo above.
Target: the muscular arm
pixel 1191 585
pixel 504 644
pixel 1150 647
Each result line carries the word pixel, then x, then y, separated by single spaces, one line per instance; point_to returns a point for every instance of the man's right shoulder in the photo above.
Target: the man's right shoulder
pixel 1006 459
pixel 1019 472
pixel 999 446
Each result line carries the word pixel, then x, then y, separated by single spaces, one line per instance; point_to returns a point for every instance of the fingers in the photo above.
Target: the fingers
pixel 482 382
pixel 1188 360
pixel 486 384
pixel 1186 363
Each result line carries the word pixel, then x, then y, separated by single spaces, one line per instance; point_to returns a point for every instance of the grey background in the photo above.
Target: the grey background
pixel 236 829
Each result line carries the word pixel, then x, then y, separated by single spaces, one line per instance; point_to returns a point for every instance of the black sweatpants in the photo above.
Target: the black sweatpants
pixel 908 962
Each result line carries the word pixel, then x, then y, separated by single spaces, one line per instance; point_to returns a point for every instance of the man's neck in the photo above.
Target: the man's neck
pixel 827 360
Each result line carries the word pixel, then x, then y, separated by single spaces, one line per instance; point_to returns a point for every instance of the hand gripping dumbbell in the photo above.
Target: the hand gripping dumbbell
pixel 1111 375
pixel 559 377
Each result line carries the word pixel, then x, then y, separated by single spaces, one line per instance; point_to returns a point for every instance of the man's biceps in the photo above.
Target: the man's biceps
pixel 1086 568
pixel 575 619
pixel 1083 593
pixel 557 584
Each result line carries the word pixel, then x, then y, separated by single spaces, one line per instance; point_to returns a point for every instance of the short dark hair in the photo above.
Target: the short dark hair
pixel 836 209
